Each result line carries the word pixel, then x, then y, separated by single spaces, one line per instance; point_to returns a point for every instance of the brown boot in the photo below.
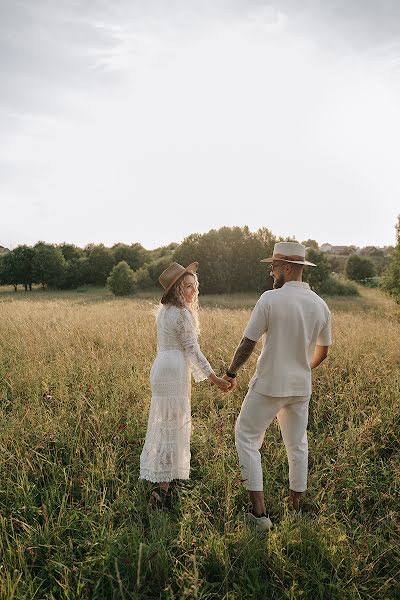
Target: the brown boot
pixel 294 500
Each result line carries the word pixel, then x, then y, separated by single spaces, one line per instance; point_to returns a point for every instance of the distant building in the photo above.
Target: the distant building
pixel 3 250
pixel 340 250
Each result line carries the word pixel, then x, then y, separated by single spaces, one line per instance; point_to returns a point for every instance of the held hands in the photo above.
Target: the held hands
pixel 232 381
pixel 222 384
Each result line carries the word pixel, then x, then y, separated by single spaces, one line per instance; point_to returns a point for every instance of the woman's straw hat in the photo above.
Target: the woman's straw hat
pixel 172 274
pixel 291 252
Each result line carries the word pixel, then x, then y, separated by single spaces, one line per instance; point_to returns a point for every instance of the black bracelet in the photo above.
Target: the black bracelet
pixel 230 374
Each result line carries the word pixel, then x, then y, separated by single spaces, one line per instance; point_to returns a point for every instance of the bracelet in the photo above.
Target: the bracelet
pixel 230 374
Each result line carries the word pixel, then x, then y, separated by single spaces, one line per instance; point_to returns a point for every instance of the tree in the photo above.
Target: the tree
pixel 100 263
pixel 71 252
pixel 9 271
pixel 23 262
pixel 390 281
pixel 229 259
pixel 360 268
pixel 143 279
pixel 135 255
pixel 317 277
pixel 311 244
pixel 48 264
pixel 337 263
pixel 122 281
pixel 156 267
pixel 73 255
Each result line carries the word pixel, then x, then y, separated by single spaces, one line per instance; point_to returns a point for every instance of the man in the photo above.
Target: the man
pixel 296 328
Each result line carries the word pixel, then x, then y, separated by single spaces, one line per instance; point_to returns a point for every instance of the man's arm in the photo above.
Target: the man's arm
pixel 242 354
pixel 320 354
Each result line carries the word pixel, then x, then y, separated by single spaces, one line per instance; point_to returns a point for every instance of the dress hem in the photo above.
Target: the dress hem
pixel 160 478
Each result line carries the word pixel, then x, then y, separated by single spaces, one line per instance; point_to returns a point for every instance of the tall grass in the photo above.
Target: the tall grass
pixel 74 521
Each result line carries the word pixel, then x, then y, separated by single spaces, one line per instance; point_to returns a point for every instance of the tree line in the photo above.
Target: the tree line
pixel 229 261
pixel 66 266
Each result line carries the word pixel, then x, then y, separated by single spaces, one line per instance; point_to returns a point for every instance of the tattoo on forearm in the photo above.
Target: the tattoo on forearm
pixel 242 353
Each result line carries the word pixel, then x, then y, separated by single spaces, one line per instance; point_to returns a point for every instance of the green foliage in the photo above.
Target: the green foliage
pixel 311 244
pixel 337 286
pixel 155 268
pixel 322 281
pixel 72 276
pixel 135 255
pixel 317 276
pixel 337 263
pixel 100 263
pixel 71 252
pixel 143 279
pixel 23 258
pixel 390 281
pixel 48 264
pixel 8 270
pixel 229 259
pixel 17 267
pixel 360 268
pixel 122 281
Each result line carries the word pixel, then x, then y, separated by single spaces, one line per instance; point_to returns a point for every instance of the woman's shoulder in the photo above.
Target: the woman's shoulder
pixel 177 313
pixel 173 311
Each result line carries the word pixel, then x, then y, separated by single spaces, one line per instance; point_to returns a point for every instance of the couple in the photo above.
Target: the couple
pixel 296 329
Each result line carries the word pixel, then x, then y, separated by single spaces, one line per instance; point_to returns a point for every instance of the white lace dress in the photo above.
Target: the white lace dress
pixel 166 451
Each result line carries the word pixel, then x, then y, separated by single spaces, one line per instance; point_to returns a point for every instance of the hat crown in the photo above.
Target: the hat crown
pixel 290 249
pixel 171 274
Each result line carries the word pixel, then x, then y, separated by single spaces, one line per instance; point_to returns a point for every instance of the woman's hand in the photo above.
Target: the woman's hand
pixel 223 384
pixel 220 382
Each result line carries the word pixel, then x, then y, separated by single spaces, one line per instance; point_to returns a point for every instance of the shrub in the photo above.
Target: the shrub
pixel 122 280
pixel 317 276
pixel 143 279
pixel 360 268
pixel 334 286
pixel 390 281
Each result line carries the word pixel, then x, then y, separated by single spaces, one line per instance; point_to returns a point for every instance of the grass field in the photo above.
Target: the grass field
pixel 74 400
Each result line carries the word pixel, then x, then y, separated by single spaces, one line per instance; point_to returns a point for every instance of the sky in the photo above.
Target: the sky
pixel 146 121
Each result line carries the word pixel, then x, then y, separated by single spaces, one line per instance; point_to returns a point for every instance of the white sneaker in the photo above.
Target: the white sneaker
pixel 261 523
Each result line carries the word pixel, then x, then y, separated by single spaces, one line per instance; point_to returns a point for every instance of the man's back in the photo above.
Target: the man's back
pixel 293 320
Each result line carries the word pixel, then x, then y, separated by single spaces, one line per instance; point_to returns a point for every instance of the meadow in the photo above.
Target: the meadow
pixel 74 519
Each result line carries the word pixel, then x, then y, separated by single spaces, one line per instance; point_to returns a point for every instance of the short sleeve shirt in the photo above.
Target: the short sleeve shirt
pixel 292 320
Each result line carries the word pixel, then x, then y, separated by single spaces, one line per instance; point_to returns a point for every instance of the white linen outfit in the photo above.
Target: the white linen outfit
pixel 166 451
pixel 292 320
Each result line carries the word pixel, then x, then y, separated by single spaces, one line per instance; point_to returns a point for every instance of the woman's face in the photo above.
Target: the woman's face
pixel 189 288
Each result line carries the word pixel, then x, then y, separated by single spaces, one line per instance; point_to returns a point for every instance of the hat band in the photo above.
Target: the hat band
pixel 286 257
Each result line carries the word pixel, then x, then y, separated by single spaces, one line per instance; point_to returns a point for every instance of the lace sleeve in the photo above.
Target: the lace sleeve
pixel 187 334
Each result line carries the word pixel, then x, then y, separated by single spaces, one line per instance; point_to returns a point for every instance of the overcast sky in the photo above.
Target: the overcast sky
pixel 147 120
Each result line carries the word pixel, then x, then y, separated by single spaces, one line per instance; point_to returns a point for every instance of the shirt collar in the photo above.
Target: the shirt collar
pixel 301 284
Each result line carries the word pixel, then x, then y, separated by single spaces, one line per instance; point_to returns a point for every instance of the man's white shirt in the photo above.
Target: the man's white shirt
pixel 292 320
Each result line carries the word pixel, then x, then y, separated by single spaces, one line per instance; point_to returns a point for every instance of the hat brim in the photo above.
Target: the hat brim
pixel 296 262
pixel 192 268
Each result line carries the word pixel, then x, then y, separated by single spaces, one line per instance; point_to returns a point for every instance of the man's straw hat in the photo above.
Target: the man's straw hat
pixel 291 252
pixel 172 274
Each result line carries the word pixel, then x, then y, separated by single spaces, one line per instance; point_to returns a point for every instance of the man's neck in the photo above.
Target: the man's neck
pixel 299 278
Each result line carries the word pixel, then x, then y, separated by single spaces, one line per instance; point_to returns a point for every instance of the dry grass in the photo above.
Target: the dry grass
pixel 74 401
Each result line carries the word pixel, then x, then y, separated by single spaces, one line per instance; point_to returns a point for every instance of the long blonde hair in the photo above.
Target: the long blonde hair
pixel 176 297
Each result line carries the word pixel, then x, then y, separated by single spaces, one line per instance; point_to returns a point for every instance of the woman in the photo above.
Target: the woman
pixel 166 451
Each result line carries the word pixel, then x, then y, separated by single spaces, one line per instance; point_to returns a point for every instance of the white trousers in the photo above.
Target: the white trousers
pixel 257 413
